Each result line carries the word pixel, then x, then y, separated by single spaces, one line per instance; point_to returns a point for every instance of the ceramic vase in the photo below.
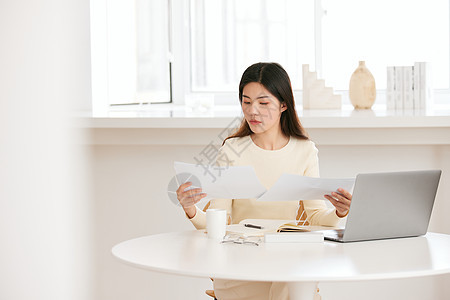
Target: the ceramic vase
pixel 362 90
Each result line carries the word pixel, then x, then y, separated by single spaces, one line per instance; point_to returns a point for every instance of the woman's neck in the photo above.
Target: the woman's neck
pixel 270 140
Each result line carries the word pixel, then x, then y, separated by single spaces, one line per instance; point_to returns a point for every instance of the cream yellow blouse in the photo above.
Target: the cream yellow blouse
pixel 297 157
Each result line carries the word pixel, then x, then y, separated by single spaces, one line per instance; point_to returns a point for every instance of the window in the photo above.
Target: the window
pixel 131 51
pixel 153 51
pixel 384 33
pixel 163 50
pixel 228 36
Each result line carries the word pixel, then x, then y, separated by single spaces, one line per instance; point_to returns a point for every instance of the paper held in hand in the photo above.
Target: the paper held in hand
pixel 241 182
pixel 221 182
pixel 296 187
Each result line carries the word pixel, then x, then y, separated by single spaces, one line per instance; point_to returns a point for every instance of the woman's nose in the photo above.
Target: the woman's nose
pixel 253 109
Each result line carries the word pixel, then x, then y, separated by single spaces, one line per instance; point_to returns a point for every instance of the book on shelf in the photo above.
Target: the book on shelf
pixel 398 87
pixel 418 104
pixel 390 88
pixel 425 85
pixel 409 88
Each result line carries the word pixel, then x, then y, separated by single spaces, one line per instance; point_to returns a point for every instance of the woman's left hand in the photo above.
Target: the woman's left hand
pixel 341 200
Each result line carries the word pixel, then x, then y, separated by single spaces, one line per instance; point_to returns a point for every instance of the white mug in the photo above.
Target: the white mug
pixel 216 223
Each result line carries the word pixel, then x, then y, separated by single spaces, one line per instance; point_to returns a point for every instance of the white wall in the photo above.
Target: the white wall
pixel 130 177
pixel 44 217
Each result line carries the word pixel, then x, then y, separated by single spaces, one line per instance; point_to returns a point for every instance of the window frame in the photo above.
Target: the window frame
pixel 180 58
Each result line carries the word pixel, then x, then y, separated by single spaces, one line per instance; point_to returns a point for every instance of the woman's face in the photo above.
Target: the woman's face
pixel 261 109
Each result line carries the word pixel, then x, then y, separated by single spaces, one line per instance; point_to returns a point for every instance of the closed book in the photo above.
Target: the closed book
pixel 417 87
pixel 426 85
pixel 294 237
pixel 408 92
pixel 390 88
pixel 398 88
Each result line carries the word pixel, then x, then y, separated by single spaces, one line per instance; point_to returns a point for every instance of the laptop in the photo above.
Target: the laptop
pixel 389 205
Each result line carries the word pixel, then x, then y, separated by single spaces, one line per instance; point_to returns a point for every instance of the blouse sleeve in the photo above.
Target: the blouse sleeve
pixel 312 162
pixel 317 211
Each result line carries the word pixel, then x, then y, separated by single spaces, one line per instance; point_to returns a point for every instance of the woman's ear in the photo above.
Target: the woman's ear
pixel 283 106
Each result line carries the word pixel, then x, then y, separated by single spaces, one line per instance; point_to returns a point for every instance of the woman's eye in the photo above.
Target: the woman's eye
pixel 264 103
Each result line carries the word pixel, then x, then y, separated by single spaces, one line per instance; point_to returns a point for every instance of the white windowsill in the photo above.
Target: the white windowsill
pixel 221 116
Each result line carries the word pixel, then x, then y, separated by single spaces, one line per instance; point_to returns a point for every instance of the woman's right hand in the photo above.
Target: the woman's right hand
pixel 189 198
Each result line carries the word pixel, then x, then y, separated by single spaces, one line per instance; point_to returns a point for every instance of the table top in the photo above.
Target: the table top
pixel 191 253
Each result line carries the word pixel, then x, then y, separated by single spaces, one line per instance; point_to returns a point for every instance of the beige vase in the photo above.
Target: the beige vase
pixel 362 90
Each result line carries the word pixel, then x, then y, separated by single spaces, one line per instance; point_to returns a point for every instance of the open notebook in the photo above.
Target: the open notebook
pixel 266 226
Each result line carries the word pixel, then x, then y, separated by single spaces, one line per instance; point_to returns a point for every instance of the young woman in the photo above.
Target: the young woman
pixel 273 141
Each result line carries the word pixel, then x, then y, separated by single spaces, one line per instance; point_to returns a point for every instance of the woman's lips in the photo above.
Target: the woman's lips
pixel 254 122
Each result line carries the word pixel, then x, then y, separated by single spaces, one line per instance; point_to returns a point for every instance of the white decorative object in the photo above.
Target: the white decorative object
pixel 362 91
pixel 315 94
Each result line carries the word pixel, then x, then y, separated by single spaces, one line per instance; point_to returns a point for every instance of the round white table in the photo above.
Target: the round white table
pixel 302 265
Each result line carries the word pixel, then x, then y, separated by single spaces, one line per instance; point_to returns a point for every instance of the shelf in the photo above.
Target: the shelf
pixel 176 116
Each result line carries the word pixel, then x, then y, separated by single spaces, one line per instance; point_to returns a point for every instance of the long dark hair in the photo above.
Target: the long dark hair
pixel 276 80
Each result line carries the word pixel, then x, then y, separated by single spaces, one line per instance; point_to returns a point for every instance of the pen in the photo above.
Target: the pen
pixel 253 226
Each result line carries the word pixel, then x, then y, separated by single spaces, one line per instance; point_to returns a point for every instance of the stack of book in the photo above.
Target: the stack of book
pixel 409 87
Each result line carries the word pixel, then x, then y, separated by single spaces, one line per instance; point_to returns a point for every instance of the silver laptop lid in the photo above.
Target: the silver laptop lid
pixel 391 205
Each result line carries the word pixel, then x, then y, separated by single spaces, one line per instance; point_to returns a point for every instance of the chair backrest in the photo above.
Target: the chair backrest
pixel 301 215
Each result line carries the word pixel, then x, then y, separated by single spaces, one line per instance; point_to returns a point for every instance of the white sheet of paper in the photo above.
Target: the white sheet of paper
pixel 232 182
pixel 241 182
pixel 296 187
